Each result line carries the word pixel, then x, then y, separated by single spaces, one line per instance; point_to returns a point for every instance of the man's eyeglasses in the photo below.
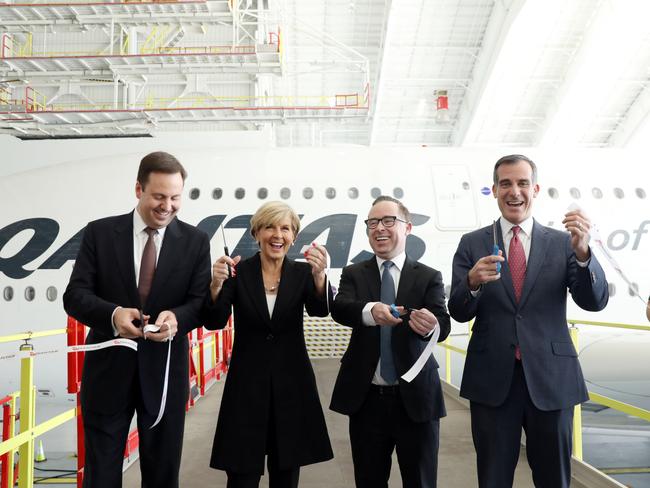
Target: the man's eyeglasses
pixel 386 221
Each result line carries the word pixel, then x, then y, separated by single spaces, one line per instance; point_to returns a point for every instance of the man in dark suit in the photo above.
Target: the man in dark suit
pixel 522 369
pixel 386 412
pixel 145 264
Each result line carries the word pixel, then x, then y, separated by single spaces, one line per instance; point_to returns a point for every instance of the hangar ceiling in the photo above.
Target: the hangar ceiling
pixel 310 73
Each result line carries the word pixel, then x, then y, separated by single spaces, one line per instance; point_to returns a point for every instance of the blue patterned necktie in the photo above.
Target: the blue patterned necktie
pixel 387 366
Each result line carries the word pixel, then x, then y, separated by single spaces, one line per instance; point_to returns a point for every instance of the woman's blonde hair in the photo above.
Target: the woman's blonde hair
pixel 271 213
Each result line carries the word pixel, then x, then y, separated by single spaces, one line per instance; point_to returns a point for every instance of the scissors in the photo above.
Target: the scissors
pixel 395 313
pixel 495 247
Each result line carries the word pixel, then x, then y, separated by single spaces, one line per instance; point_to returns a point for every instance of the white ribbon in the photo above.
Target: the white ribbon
pixel 103 345
pixel 163 400
pixel 134 345
pixel 419 364
pixel 600 245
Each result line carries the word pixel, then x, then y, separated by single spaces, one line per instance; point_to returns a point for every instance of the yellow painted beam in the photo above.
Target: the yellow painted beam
pixel 620 406
pixel 624 470
pixel 25 336
pixel 609 324
pixel 448 361
pixel 38 430
pixel 27 418
pixel 453 348
pixel 55 481
pixel 577 411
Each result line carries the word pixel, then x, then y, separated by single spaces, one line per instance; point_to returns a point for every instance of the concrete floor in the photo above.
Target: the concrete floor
pixel 456 457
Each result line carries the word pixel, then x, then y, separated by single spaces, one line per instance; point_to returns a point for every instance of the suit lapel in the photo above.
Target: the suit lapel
pixel 286 288
pixel 372 278
pixel 124 253
pixel 406 282
pixel 538 248
pixel 254 283
pixel 169 252
pixel 506 277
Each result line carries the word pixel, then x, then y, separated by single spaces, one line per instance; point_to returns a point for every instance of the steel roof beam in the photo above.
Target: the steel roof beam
pixel 503 16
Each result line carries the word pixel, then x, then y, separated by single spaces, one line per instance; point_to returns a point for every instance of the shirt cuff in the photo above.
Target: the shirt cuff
pixel 476 293
pixel 366 314
pixel 115 333
pixel 583 264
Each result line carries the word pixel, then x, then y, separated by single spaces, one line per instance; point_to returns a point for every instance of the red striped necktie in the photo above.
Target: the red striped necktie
pixel 517 264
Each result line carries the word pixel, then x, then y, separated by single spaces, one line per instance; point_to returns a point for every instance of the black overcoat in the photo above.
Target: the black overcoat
pixel 270 378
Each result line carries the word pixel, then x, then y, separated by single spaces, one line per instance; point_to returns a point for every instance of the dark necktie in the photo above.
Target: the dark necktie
pixel 387 366
pixel 517 264
pixel 147 266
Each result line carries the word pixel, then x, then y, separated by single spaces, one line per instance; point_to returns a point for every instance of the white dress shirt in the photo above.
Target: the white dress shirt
pixel 139 240
pixel 366 315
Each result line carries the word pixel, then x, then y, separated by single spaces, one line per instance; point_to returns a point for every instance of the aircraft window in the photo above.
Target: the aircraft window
pixel 575 193
pixel 597 192
pixel 262 193
pixel 618 193
pixel 612 289
pixel 30 293
pixel 285 193
pixel 8 293
pixel 375 192
pixel 51 293
pixel 465 185
pixel 640 192
pixel 194 193
pixel 353 193
pixel 330 192
pixel 307 192
pixel 398 192
pixel 240 193
pixel 217 193
pixel 553 193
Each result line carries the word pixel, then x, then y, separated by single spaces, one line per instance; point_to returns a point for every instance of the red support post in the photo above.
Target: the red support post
pixel 76 336
pixel 4 459
pixel 201 372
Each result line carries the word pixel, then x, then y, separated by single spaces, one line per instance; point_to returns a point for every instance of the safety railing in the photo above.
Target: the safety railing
pixel 219 349
pixel 207 102
pixel 10 50
pixel 595 397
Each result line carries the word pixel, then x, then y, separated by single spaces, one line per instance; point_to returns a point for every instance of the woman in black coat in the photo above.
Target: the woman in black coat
pixel 270 405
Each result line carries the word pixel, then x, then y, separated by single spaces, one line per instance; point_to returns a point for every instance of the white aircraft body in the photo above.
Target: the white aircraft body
pixel 448 190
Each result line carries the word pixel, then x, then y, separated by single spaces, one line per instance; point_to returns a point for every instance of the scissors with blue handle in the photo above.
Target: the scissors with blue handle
pixel 495 248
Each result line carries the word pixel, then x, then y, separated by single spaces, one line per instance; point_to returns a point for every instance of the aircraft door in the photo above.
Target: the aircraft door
pixel 454 198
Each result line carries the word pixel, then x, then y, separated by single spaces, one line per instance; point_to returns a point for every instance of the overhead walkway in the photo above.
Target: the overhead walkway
pixel 456 459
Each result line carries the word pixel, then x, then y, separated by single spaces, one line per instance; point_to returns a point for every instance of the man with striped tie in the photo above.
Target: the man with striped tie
pixel 386 412
pixel 522 370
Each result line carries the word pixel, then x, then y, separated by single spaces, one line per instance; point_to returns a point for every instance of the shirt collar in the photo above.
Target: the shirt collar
pixel 398 261
pixel 526 226
pixel 139 226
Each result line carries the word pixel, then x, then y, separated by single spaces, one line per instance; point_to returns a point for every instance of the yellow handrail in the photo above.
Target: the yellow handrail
pixel 595 397
pixel 620 406
pixel 24 441
pixel 25 336
pixel 609 324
